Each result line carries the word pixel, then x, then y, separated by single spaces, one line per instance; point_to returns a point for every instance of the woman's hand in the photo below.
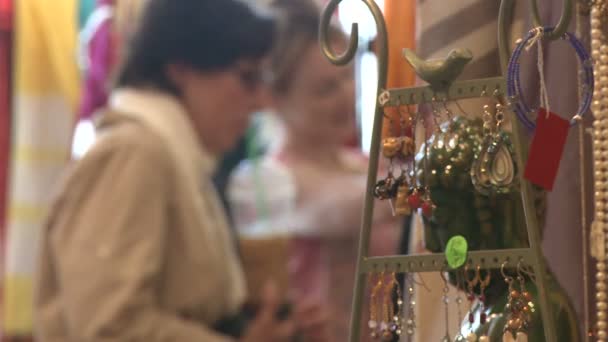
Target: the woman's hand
pixel 266 327
pixel 313 321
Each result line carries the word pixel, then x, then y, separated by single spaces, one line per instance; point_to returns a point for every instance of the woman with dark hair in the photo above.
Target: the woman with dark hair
pixel 137 247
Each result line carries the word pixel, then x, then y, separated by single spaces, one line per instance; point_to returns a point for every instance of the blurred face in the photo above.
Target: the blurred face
pixel 220 102
pixel 319 106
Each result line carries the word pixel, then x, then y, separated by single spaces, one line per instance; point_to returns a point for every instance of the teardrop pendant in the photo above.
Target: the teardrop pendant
pixel 494 170
pixel 502 165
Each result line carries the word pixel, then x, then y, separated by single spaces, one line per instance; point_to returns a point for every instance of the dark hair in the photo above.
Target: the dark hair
pixel 299 30
pixel 204 34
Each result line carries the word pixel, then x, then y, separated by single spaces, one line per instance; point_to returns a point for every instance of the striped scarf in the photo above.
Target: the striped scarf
pixel 46 86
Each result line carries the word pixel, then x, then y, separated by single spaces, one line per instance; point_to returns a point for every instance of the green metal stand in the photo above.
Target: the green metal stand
pixel 459 90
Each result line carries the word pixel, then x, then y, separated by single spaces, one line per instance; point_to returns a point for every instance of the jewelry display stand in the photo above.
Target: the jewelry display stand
pixel 488 259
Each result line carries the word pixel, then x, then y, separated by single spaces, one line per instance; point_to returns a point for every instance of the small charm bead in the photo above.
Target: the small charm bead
pixel 414 200
pixel 387 336
pixel 483 318
pixel 372 324
pixel 471 337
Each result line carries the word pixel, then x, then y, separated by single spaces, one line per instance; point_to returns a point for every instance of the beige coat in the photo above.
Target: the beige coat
pixel 137 247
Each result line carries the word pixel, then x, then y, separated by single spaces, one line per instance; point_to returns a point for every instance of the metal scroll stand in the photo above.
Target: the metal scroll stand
pixel 489 259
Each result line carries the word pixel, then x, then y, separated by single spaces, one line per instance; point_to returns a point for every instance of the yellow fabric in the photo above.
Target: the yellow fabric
pixel 46 93
pixel 401 24
pixel 45 48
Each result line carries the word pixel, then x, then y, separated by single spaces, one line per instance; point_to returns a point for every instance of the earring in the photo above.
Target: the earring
pixel 446 301
pixel 483 284
pixel 373 308
pixel 471 297
pixel 494 169
pixel 386 188
pixel 391 324
pixel 503 168
pixel 527 304
pixel 402 206
pixel 518 321
pixel 410 324
pixel 460 285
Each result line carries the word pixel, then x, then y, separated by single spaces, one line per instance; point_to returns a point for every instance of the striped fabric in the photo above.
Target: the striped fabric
pixel 6 32
pixel 444 25
pixel 46 85
pixel 401 25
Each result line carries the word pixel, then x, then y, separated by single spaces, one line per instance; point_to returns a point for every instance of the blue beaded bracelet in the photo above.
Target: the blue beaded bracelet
pixel 514 91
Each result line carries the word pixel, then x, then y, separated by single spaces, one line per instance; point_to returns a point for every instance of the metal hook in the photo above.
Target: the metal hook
pixel 502 269
pixel 563 23
pixel 522 269
pixel 486 280
pixel 353 43
pixel 474 281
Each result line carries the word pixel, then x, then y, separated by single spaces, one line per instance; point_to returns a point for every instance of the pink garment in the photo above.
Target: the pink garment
pixel 322 267
pixel 101 58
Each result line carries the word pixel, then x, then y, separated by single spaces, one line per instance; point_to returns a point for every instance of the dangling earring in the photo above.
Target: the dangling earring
pixel 515 329
pixel 494 168
pixel 459 287
pixel 483 284
pixel 410 324
pixel 527 306
pixel 387 188
pixel 502 169
pixel 374 315
pixel 479 171
pixel 471 296
pixel 427 207
pixel 391 324
pixel 446 301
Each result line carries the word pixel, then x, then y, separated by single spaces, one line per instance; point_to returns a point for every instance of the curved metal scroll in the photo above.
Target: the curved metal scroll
pixel 368 209
pixel 562 24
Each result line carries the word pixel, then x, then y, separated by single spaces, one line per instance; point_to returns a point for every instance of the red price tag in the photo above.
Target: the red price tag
pixel 546 149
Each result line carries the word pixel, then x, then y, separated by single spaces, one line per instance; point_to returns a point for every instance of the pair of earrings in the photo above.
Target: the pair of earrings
pixel 385 320
pixel 494 169
pixel 519 309
pixel 483 283
pixel 407 195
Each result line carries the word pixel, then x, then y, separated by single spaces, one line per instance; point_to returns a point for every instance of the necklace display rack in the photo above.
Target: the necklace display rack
pixel 487 259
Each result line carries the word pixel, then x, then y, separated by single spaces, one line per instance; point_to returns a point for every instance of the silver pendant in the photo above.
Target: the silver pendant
pixel 494 171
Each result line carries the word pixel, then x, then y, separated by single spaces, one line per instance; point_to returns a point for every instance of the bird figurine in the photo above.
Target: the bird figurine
pixel 439 73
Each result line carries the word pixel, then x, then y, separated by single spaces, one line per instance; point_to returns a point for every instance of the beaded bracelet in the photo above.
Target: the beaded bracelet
pixel 514 90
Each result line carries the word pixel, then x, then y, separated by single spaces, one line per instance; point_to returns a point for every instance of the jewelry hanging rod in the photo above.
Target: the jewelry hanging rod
pixel 490 259
pixel 485 87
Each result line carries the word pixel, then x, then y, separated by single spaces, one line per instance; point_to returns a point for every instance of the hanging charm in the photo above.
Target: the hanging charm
pixel 519 309
pixel 459 286
pixel 494 169
pixel 410 324
pixel 471 283
pixel 374 315
pixel 446 301
pixel 483 285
